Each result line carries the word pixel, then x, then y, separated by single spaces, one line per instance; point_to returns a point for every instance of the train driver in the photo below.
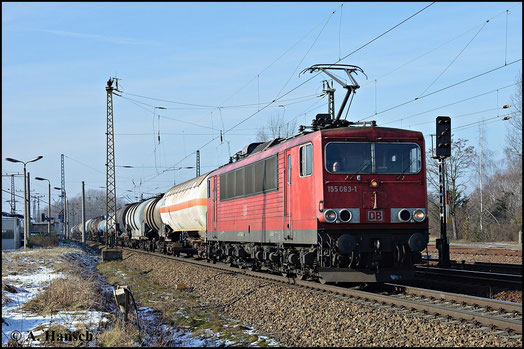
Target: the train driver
pixel 336 166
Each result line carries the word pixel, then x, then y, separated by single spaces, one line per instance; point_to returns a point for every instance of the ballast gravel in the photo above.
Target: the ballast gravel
pixel 300 317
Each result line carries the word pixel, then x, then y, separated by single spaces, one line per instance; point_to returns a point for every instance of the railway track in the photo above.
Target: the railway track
pixel 437 305
pixel 491 279
pixel 470 251
pixel 504 268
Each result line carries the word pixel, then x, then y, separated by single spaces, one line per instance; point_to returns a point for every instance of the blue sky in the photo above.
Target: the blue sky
pixel 214 65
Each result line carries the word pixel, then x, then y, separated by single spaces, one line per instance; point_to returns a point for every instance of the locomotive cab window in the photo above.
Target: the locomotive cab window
pixel 346 157
pixel 397 158
pixel 366 158
pixel 306 160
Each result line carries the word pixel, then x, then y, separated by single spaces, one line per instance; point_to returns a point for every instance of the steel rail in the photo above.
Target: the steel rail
pixel 418 305
pixel 506 268
pixel 496 279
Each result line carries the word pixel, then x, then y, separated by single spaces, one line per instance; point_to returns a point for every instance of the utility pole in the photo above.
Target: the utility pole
pixel 13 200
pixel 28 198
pixel 34 209
pixel 13 190
pixel 63 192
pixel 198 163
pixel 110 168
pixel 83 215
pixel 481 155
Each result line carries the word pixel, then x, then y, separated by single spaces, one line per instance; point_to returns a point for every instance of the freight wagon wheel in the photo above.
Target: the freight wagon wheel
pixel 324 282
pixel 301 275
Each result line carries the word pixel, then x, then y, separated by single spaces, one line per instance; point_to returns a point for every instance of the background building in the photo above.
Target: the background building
pixel 12 231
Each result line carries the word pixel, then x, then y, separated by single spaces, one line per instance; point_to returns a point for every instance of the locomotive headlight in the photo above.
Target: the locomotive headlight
pixel 419 215
pixel 374 183
pixel 330 216
pixel 404 215
pixel 345 215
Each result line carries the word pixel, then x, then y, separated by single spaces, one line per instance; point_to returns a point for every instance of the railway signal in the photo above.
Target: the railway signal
pixel 443 137
pixel 443 151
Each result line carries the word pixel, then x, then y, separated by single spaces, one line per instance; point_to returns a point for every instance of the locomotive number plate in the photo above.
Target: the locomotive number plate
pixel 375 216
pixel 341 188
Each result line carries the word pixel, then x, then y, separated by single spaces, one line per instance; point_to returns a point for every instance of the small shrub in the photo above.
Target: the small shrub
pixel 121 335
pixel 73 293
pixel 42 240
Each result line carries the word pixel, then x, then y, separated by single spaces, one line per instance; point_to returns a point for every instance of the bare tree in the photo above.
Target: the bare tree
pixel 95 206
pixel 276 128
pixel 457 167
pixel 514 132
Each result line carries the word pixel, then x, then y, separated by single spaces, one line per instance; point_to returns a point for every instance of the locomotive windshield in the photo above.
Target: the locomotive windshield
pixel 362 158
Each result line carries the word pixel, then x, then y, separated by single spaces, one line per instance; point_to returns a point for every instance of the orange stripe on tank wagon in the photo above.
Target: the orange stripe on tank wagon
pixel 184 205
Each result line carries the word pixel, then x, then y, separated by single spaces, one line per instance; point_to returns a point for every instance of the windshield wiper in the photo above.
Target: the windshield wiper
pixel 409 165
pixel 362 166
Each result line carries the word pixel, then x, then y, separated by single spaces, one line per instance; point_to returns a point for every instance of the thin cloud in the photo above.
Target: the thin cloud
pixel 115 40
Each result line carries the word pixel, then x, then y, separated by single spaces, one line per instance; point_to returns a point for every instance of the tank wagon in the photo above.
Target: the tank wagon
pixel 183 212
pixel 142 222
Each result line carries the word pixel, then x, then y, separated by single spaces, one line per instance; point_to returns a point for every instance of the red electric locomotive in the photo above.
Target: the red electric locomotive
pixel 340 202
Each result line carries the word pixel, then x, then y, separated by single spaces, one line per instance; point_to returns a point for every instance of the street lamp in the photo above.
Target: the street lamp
pixel 49 206
pixel 64 231
pixel 26 214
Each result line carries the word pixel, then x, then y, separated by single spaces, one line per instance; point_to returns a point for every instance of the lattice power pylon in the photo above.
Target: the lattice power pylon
pixel 13 200
pixel 63 195
pixel 110 169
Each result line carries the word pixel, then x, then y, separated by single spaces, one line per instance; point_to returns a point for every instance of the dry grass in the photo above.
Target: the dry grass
pixel 42 240
pixel 120 335
pixel 72 293
pixel 179 308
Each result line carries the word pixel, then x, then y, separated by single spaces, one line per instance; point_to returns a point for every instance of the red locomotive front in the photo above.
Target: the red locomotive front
pixel 373 202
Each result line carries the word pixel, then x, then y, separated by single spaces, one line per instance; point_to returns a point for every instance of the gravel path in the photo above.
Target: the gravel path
pixel 298 317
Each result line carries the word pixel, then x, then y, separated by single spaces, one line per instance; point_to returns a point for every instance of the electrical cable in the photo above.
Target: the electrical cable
pixel 442 89
pixel 305 55
pixel 303 83
pixel 454 59
pixel 436 48
pixel 450 104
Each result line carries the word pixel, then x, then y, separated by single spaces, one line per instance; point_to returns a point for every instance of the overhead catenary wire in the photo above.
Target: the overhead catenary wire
pixel 447 105
pixel 454 59
pixel 305 55
pixel 442 89
pixel 436 48
pixel 301 84
pixel 476 123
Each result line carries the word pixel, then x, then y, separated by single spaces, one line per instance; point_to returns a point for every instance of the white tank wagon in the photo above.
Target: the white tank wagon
pixel 102 227
pixel 92 228
pixel 128 219
pixel 184 208
pixel 135 219
pixel 75 232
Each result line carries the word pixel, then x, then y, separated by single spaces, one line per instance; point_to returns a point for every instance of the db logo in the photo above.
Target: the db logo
pixel 375 216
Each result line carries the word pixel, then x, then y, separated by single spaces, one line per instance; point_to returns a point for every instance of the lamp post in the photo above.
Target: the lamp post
pixel 48 206
pixel 65 213
pixel 26 214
